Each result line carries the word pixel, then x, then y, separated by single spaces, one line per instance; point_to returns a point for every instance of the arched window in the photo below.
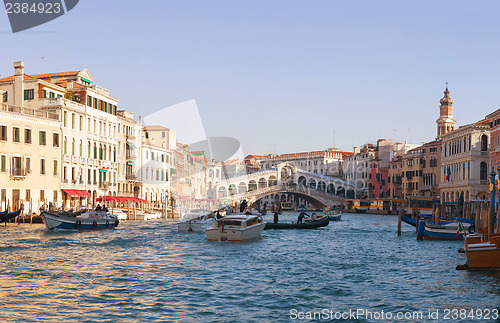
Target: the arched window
pixel 484 143
pixel 483 171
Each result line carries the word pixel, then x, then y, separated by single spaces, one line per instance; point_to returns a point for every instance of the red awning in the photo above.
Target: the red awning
pixel 130 199
pixel 78 193
pixel 83 193
pixel 108 198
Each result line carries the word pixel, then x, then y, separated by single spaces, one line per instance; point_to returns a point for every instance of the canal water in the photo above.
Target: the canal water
pixel 149 272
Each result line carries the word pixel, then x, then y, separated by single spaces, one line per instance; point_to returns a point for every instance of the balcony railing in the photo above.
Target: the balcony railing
pixel 130 177
pixel 28 111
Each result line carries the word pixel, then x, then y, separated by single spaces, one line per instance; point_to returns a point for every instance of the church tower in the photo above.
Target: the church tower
pixel 445 122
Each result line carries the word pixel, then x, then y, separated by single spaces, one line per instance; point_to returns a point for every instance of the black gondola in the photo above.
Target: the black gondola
pixel 4 216
pixel 322 222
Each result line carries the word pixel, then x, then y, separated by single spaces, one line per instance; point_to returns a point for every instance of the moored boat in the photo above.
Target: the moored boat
pixel 6 216
pixel 238 227
pixel 483 255
pixel 90 220
pixel 442 231
pixel 321 222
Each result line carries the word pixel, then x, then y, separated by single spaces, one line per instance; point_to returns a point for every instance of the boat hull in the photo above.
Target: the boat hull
pixel 59 222
pixel 483 258
pixel 443 232
pixel 309 225
pixel 235 234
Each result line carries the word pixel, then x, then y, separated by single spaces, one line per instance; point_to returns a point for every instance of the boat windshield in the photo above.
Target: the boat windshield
pixel 229 222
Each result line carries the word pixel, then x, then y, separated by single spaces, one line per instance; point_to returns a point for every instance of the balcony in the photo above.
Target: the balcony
pixel 30 112
pixel 17 173
pixel 130 177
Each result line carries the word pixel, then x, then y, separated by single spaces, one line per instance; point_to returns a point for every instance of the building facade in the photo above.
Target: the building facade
pixel 465 163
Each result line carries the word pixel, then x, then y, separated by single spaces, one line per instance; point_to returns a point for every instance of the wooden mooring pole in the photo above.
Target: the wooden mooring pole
pixel 400 218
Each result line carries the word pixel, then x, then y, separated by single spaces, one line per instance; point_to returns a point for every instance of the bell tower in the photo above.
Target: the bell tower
pixel 445 122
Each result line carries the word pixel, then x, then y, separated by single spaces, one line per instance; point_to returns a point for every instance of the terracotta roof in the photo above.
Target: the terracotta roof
pixel 154 128
pixel 482 122
pixel 11 78
pixel 40 76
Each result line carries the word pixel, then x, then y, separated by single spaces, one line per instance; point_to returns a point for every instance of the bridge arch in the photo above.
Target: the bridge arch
pixel 330 189
pixel 272 180
pixel 232 189
pixel 322 186
pixel 302 181
pixel 242 187
pixel 312 183
pixel 262 183
pixel 341 191
pixel 221 192
pixel 252 185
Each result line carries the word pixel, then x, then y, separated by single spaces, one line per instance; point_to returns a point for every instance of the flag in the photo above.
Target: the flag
pixel 460 228
pixel 482 237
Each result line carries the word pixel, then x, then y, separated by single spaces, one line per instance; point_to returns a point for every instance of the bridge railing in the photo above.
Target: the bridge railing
pixel 333 179
pixel 284 188
pixel 247 176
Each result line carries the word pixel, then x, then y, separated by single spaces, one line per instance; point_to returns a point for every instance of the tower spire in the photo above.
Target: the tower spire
pixel 445 122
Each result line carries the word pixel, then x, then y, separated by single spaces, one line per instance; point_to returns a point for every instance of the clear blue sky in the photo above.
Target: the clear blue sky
pixel 281 76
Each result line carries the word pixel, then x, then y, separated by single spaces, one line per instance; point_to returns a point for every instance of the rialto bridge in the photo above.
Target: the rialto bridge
pixel 286 183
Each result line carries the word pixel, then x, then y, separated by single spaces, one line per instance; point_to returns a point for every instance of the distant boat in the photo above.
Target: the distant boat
pixel 334 215
pixel 90 220
pixel 5 216
pixel 195 221
pixel 321 222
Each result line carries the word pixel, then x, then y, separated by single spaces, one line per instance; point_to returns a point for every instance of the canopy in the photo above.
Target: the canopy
pixel 130 199
pixel 108 198
pixel 77 193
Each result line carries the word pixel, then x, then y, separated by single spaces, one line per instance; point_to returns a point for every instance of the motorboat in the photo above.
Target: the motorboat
pixel 195 221
pixel 120 215
pixel 334 215
pixel 238 227
pixel 89 220
pixel 442 231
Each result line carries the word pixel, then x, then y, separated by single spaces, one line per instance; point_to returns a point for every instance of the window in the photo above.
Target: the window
pixel 42 166
pixel 29 94
pixel 55 167
pixel 484 143
pixel 55 139
pixel 27 136
pixel 81 148
pixel 5 96
pixel 3 133
pixel 16 136
pixel 28 165
pixel 65 146
pixel 73 147
pixel 43 138
pixel 44 94
pixel 28 195
pixel 64 174
pixel 65 114
pixel 81 123
pixel 483 171
pixel 72 121
pixel 16 166
pixel 3 163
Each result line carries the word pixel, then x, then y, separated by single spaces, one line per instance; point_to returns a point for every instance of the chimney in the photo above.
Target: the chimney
pixel 355 150
pixel 18 83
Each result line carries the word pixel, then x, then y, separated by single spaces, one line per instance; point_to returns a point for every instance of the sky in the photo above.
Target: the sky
pixel 280 75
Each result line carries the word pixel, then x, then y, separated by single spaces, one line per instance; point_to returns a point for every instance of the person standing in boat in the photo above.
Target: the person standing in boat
pixel 243 206
pixel 301 216
pixel 276 217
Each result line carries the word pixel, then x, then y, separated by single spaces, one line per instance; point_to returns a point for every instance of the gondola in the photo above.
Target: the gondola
pixel 4 216
pixel 321 222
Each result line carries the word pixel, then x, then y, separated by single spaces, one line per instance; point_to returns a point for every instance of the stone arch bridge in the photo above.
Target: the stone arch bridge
pixel 286 178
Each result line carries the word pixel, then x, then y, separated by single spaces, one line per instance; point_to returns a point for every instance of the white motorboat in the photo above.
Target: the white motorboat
pixel 195 221
pixel 119 214
pixel 238 227
pixel 90 220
